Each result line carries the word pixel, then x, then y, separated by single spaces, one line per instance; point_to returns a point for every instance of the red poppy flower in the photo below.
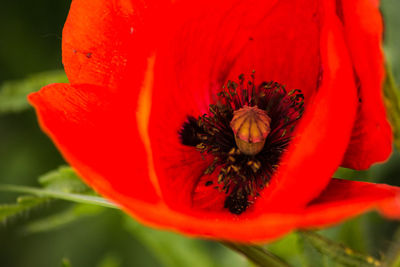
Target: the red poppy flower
pixel 142 74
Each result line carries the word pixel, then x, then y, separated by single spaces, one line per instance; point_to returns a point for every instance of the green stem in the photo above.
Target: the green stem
pixel 338 252
pixel 257 254
pixel 60 195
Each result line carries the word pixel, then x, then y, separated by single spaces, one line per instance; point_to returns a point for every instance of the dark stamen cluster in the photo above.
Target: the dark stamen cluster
pixel 242 176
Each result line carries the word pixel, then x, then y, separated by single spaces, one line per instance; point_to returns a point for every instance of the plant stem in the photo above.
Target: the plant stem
pixel 257 254
pixel 86 199
pixel 338 252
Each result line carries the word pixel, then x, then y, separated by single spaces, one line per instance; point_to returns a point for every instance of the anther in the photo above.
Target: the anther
pixel 245 133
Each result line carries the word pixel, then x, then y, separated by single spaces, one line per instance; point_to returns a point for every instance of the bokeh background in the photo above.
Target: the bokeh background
pixel 59 232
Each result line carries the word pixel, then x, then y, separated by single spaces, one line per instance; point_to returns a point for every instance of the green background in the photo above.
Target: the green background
pixel 89 236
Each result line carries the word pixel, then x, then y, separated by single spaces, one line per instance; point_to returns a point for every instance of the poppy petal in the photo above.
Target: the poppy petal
pixel 342 199
pixel 104 42
pixel 372 135
pixel 323 133
pixel 72 116
pixel 193 68
pixel 98 135
pixel 128 148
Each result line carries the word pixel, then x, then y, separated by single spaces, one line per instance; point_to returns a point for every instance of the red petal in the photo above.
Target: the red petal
pixel 104 135
pixel 97 134
pixel 206 194
pixel 95 140
pixel 340 200
pixel 324 130
pixel 278 39
pixel 197 67
pixel 372 136
pixel 105 42
pixel 343 199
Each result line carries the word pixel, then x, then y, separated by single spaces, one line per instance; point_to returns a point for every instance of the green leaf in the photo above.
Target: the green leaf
pixel 392 103
pixel 338 252
pixel 23 205
pixel 62 218
pixel 64 179
pixel 79 198
pixel 172 249
pixel 13 93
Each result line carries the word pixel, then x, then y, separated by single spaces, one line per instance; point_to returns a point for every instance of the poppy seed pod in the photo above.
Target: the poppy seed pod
pixel 251 127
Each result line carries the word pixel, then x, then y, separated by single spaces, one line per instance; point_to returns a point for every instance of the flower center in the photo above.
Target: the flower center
pixel 245 132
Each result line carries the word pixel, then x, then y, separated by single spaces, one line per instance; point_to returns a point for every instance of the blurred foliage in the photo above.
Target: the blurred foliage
pixel 392 102
pixel 393 255
pixel 13 93
pixel 63 180
pixel 24 204
pixel 168 248
pixel 174 249
pixel 336 252
pixel 57 233
pixel 66 263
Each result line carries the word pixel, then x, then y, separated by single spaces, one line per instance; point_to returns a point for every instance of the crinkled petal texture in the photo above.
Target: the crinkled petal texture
pixel 371 140
pixel 137 70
